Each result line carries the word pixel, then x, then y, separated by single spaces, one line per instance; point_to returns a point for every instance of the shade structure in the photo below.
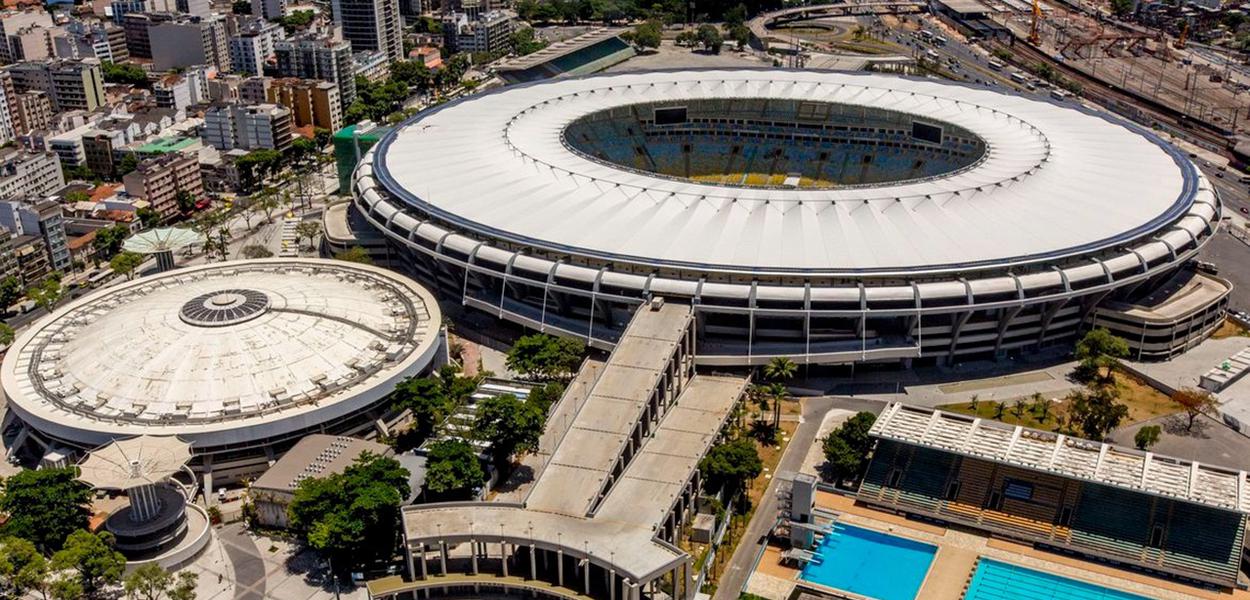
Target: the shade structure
pixel 134 462
pixel 161 239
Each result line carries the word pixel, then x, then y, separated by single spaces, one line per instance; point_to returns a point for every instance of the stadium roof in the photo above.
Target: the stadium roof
pixel 1067 456
pixel 221 353
pixel 561 48
pixel 1057 181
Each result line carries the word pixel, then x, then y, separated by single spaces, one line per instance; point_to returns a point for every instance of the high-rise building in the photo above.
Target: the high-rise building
pixel 311 102
pixel 190 41
pixel 312 57
pixel 268 9
pixel 40 218
pixel 160 180
pixel 253 45
pixel 71 84
pixel 97 40
pixel 136 28
pixel 24 35
pixel 231 126
pixel 34 111
pixel 370 25
pixel 491 32
pixel 29 174
pixel 180 91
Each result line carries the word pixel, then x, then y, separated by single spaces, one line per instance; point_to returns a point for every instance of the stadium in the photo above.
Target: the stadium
pixel 830 217
pixel 240 359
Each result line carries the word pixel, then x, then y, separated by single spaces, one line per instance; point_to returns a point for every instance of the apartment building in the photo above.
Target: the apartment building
pixel 70 84
pixel 33 174
pixel 253 127
pixel 370 25
pixel 41 218
pixel 160 180
pixel 319 57
pixel 311 102
pixel 189 41
pixel 491 32
pixel 254 45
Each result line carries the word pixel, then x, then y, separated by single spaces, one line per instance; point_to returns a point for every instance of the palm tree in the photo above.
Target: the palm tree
pixel 973 402
pixel 777 392
pixel 780 368
pixel 1041 406
pixel 999 409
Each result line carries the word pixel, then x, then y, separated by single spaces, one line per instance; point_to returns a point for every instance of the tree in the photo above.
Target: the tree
pixel 1096 411
pixel 126 74
pixel 452 470
pixel 1122 7
pixel 184 586
pixel 186 202
pixel 1099 351
pixel 546 395
pixel 1194 402
pixel 709 35
pixel 126 263
pixel 7 333
pixel 544 357
pixel 308 230
pixel 46 293
pixel 846 448
pixel 148 582
pixel 511 425
pixel 1147 436
pixel 354 254
pixel 687 38
pixel 44 506
pixel 1041 407
pixel 108 240
pixel 297 20
pixel 64 587
pixel 255 251
pixel 76 196
pixel 729 466
pixel 351 517
pixel 128 163
pixel 92 556
pixel 780 368
pixel 22 567
pixel 241 7
pixel 10 291
pixel 741 35
pixel 525 42
pixel 646 35
pixel 148 218
pixel 841 461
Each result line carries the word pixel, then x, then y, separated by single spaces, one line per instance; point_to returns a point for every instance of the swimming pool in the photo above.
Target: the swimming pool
pixel 870 563
pixel 994 580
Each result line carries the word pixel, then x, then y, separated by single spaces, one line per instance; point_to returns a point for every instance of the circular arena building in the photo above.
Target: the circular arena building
pixel 829 217
pixel 240 359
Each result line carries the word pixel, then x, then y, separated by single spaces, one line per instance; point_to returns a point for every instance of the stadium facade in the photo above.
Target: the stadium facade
pixel 828 217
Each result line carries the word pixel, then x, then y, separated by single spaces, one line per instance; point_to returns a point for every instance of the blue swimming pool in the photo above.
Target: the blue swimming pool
pixel 870 563
pixel 995 580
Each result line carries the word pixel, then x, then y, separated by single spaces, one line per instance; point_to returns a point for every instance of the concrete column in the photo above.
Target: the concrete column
pixel 611 584
pixel 533 563
pixel 503 554
pixel 586 577
pixel 560 567
pixel 473 555
pixel 425 569
pixel 412 568
pixel 442 556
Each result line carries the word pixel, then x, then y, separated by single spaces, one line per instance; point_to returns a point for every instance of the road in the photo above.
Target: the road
pixel 738 570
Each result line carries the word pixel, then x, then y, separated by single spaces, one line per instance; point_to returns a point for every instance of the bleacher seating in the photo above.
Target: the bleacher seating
pixel 1106 522
pixel 771 145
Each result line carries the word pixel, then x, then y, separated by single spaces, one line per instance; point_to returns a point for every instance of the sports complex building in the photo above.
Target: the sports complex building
pixel 828 217
pixel 240 359
pixel 1141 510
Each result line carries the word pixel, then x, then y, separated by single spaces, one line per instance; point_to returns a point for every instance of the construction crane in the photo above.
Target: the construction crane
pixel 1180 41
pixel 1034 37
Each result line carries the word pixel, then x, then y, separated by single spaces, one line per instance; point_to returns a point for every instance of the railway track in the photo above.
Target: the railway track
pixel 1141 109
